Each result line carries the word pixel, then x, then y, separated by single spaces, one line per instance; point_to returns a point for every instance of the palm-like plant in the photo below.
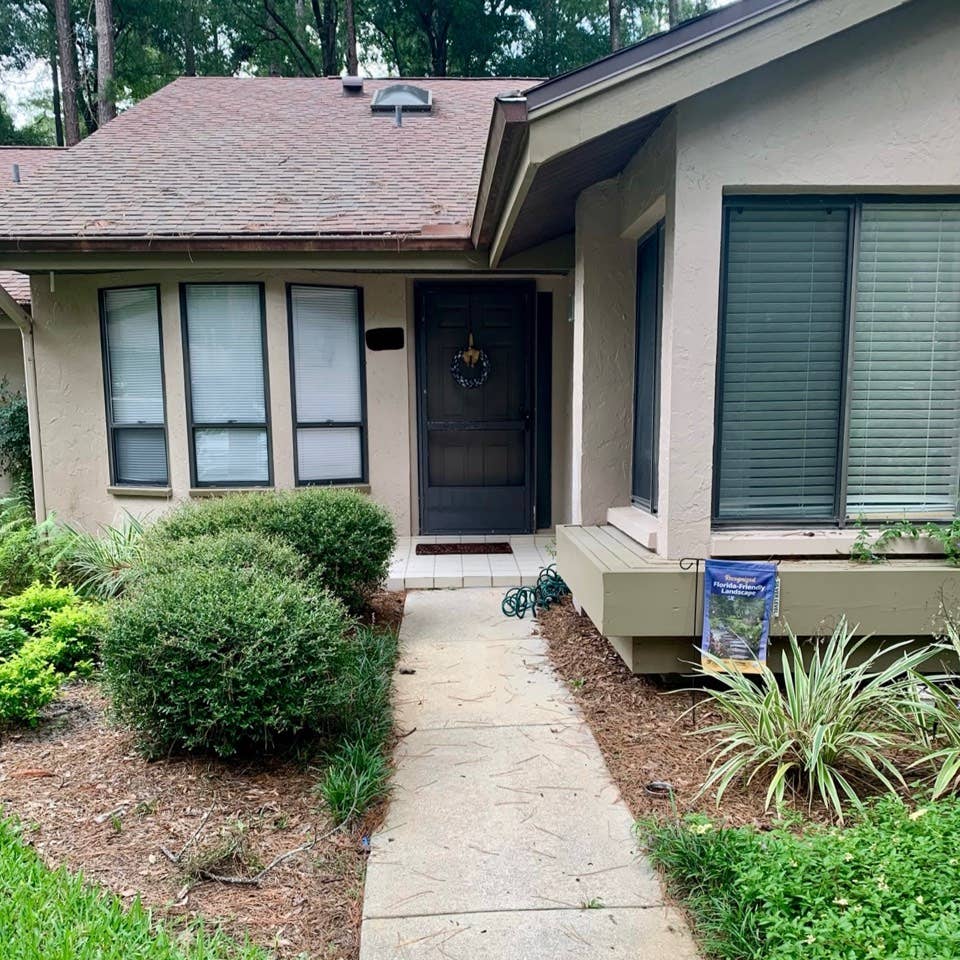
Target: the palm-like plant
pixel 832 723
pixel 101 566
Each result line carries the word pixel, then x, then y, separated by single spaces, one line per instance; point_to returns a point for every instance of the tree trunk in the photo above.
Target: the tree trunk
pixel 68 71
pixel 189 40
pixel 673 14
pixel 615 37
pixel 349 15
pixel 106 94
pixel 55 79
pixel 326 20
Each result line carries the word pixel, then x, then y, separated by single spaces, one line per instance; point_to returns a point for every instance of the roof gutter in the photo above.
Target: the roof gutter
pixel 24 322
pixel 506 140
pixel 234 243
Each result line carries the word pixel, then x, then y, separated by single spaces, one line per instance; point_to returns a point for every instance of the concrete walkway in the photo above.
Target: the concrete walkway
pixel 505 839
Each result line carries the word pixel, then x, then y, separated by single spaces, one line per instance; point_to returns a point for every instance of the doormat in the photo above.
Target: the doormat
pixel 443 549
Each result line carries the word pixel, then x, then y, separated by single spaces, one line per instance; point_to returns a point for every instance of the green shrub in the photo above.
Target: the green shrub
pixel 32 608
pixel 76 631
pixel 15 441
pixel 341 532
pixel 101 564
pixel 12 638
pixel 237 550
pixel 832 725
pixel 220 659
pixel 29 681
pixel 27 549
pixel 884 887
pixel 355 778
pixel 53 915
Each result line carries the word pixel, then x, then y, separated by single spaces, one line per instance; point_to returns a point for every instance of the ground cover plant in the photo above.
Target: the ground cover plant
pixel 48 913
pixel 885 887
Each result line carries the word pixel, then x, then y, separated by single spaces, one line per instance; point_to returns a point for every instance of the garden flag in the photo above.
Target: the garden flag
pixel 737 605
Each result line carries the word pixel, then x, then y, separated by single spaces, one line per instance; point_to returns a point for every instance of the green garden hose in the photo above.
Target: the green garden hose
pixel 548 590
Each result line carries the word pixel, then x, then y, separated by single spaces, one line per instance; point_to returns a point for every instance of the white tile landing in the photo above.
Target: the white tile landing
pixel 408 571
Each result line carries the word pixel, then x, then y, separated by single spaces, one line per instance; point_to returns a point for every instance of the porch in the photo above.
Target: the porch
pixel 650 607
pixel 411 571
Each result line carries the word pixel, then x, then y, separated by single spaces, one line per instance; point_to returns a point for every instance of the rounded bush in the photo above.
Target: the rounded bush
pixel 238 550
pixel 224 658
pixel 342 533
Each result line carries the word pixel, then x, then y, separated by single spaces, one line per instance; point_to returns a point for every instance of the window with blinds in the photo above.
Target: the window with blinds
pixel 225 346
pixel 837 403
pixel 326 341
pixel 782 361
pixel 133 380
pixel 904 445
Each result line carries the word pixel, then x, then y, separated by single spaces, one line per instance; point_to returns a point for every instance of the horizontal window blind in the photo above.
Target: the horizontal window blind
pixel 328 383
pixel 226 353
pixel 224 324
pixel 782 363
pixel 326 354
pixel 904 442
pixel 135 408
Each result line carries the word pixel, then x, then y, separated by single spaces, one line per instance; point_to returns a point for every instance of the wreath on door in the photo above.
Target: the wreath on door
pixel 471 367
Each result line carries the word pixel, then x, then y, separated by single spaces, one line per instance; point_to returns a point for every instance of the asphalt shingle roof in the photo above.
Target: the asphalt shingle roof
pixel 28 160
pixel 267 157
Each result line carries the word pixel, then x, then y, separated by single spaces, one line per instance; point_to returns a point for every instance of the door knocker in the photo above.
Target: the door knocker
pixel 471 367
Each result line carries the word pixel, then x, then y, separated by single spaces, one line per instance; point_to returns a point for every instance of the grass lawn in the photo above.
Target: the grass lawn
pixel 55 915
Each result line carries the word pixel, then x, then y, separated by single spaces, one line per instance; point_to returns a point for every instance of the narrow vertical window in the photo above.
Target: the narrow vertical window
pixel 226 375
pixel 326 341
pixel 133 378
pixel 904 433
pixel 781 363
pixel 646 398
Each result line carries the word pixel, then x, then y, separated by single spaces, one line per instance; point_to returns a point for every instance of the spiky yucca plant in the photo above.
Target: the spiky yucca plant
pixel 101 565
pixel 830 724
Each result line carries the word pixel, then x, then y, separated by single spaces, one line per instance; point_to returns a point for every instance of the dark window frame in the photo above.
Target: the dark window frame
pixel 113 427
pixel 650 502
pixel 854 203
pixel 193 425
pixel 336 424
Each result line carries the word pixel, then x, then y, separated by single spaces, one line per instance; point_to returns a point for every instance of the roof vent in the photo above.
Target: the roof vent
pixel 352 85
pixel 403 96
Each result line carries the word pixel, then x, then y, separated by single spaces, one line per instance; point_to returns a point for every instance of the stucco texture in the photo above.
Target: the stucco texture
pixel 871 110
pixel 72 415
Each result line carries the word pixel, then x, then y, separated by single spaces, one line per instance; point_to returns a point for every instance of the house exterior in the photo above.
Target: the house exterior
pixel 16 165
pixel 714 280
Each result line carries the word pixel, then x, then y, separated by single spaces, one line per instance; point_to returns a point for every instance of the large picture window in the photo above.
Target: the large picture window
pixel 225 345
pixel 326 343
pixel 839 365
pixel 133 380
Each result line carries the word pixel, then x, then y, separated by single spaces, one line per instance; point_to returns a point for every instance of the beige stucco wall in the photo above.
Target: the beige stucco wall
pixel 71 400
pixel 11 370
pixel 874 109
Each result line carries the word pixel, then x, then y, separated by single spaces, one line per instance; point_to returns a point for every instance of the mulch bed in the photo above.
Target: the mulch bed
pixel 91 802
pixel 645 729
pixel 461 549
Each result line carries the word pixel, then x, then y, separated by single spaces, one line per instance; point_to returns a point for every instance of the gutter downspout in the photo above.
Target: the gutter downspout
pixel 24 322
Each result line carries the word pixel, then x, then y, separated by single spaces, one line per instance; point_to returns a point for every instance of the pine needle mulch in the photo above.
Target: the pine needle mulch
pixel 89 801
pixel 645 728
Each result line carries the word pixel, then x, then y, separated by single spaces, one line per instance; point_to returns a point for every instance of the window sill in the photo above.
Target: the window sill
pixel 158 493
pixel 636 523
pixel 223 491
pixel 808 543
pixel 359 487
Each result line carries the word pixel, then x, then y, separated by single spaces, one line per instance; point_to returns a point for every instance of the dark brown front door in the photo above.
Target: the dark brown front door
pixel 476 443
